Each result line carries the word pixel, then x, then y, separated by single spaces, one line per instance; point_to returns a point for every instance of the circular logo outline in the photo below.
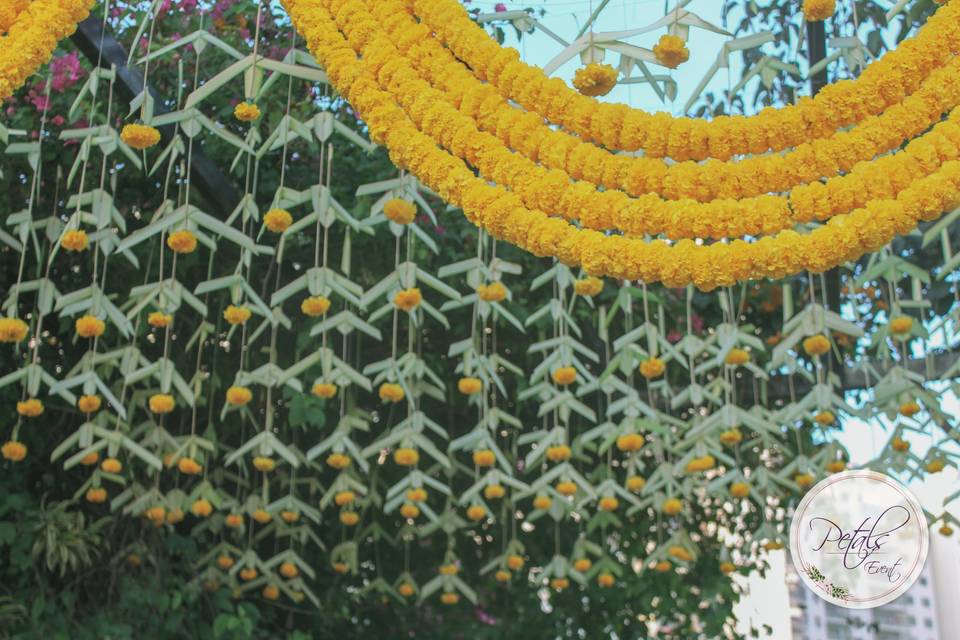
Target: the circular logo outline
pixel 824 589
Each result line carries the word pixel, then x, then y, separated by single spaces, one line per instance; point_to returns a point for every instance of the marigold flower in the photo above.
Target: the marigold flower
pixel 608 503
pixel 737 357
pixel 817 10
pixel 588 287
pixel 262 516
pixel 89 326
pixel 390 392
pixel 899 444
pixel 739 489
pixel 566 488
pixel 248 573
pixel 636 483
pixel 406 590
pixel 139 136
pixel 773 545
pixel 946 531
pixel 289 570
pixel 494 491
pixel 90 459
pixel 159 320
pixel 236 315
pixel 161 403
pixel 835 466
pixel 182 241
pixel 731 436
pixel 595 79
pixel 342 498
pixel 409 511
pixel 559 584
pixel 156 515
pixel 492 292
pixel 727 567
pixel 908 409
pixel 630 442
pixel 515 562
pixel 13 330
pixel 652 368
pixel 89 404
pixel 96 495
pixel 564 375
pixel 265 463
pixel 277 220
pixel 338 460
pixel 324 390
pixel 349 518
pixel 201 508
pixel 605 580
pixel 234 520
pixel 476 512
pixel 680 553
pixel 558 453
pixel 189 466
pixel 671 506
pixel 30 408
pixel 501 575
pixel 671 51
pixel 407 299
pixel 469 386
pixel 416 495
pixel 542 502
pixel 175 516
pixel 701 464
pixel 901 325
pixel 484 458
pixel 449 569
pixel 224 562
pixel 406 457
pixel 935 466
pixel 816 345
pixel 134 560
pixel 111 465
pixel 449 598
pixel 75 240
pixel 803 480
pixel 400 211
pixel 315 306
pixel 340 567
pixel 246 112
pixel 239 396
pixel 825 418
pixel 663 566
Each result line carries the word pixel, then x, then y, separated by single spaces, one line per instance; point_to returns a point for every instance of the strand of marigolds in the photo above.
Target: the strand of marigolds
pixel 845 238
pixel 552 192
pixel 398 36
pixel 619 127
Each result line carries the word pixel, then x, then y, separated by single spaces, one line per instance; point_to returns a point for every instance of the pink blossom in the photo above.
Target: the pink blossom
pixel 499 7
pixel 41 102
pixel 57 120
pixel 66 71
pixel 673 336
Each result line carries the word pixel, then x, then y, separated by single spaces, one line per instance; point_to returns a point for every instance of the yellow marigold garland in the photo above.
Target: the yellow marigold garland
pixel 845 238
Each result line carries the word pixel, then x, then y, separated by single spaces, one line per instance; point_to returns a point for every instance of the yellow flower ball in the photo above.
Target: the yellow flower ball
pixel 340 567
pixel 588 287
pixel 737 357
pixel 636 483
pixel 277 220
pixel 289 570
pixel 564 375
pixel 224 562
pixel 476 512
pixel 159 320
pixel 30 408
pixel 559 584
pixel 234 520
pixel 111 465
pixel 901 325
pixel 89 326
pixel 566 488
pixel 652 368
pixel 75 240
pixel 582 564
pixel 407 299
pixel 630 442
pixel 246 112
pixel 263 463
pixel 908 409
pixel 835 466
pixel 494 491
pixel 731 436
pixel 13 330
pixel 96 495
pixel 727 567
pixel 671 506
pixel 817 10
pixel 515 562
pixel 899 444
pixel 542 502
pixel 189 466
pixel 702 463
pixel 161 403
pixel 262 516
pixel 239 396
pixel 608 503
pixel 680 553
pixel 157 515
pixel 406 457
pixel 595 79
pixel 236 315
pixel 338 460
pixel 492 292
pixel 816 345
pixel 739 489
pixel 558 453
pixel 390 392
pixel 605 580
pixel 175 516
pixel 935 466
pixel 409 511
pixel 663 566
pixel 484 458
pixel 946 531
pixel 502 576
pixel 469 386
pixel 182 241
pixel 773 545
pixel 90 459
pixel 349 518
pixel 449 569
pixel 449 598
pixel 247 574
pixel 406 590
pixel 201 508
pixel 671 51
pixel 825 418
pixel 803 480
pixel 342 498
pixel 416 495
pixel 315 306
pixel 400 211
pixel 324 390
pixel 139 136
pixel 134 560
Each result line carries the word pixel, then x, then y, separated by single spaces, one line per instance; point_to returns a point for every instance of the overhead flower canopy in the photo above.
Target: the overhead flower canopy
pixel 313 365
